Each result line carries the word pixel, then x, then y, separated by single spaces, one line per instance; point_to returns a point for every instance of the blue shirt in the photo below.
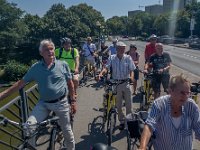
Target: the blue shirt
pixel 112 49
pixel 52 82
pixel 168 137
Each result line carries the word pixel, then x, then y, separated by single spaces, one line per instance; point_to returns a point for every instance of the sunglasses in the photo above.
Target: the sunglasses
pixel 185 93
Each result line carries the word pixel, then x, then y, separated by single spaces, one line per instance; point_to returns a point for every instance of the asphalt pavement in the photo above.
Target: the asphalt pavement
pixel 87 127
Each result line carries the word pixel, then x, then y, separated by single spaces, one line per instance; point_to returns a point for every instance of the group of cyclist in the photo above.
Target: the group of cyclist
pixel 172 117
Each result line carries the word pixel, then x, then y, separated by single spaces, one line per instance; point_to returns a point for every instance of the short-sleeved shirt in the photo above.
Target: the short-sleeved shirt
pixel 67 56
pixel 135 56
pixel 120 68
pixel 52 82
pixel 112 49
pixel 87 49
pixel 168 137
pixel 149 50
pixel 160 62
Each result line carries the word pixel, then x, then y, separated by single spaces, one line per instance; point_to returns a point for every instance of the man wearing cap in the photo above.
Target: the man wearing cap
pixel 122 69
pixel 150 47
pixel 89 51
pixel 71 56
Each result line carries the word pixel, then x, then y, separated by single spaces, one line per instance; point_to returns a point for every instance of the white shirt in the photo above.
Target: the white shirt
pixel 121 68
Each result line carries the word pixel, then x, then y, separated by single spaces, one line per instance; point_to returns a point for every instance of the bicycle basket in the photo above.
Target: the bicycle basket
pixel 135 123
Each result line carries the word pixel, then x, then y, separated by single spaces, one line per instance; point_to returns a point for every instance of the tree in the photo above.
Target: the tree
pixel 12 30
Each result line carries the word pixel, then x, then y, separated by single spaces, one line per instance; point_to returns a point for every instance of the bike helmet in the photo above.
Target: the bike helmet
pixel 65 40
pixel 99 146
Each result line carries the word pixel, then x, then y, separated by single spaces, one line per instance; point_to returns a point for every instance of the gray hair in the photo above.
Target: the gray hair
pixel 176 80
pixel 159 44
pixel 46 42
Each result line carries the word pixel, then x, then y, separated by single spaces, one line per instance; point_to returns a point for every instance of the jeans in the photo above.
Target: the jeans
pixel 61 108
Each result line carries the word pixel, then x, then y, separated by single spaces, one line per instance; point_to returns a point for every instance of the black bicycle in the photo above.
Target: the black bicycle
pixel 134 127
pixel 34 129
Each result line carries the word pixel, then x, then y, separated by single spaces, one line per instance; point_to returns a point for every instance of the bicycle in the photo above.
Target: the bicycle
pixel 33 130
pixel 109 107
pixel 195 90
pixel 134 127
pixel 146 90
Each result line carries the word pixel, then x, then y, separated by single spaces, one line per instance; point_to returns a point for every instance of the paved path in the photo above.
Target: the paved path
pixel 89 98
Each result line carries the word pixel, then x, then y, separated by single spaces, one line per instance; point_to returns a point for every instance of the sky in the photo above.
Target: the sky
pixel 108 8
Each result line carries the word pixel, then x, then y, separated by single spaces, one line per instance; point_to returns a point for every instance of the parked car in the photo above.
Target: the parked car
pixel 166 39
pixel 194 43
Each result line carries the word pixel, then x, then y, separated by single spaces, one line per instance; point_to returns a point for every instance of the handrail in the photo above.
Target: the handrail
pixel 18 106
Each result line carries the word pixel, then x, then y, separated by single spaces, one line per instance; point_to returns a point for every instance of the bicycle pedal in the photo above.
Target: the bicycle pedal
pixel 101 109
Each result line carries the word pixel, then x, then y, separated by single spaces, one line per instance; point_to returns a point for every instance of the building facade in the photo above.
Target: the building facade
pixel 154 9
pixel 132 13
pixel 174 5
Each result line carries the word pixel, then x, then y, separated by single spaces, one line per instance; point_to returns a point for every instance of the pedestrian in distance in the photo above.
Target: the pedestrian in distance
pixel 71 56
pixel 121 67
pixel 173 118
pixel 159 63
pixel 54 84
pixel 135 58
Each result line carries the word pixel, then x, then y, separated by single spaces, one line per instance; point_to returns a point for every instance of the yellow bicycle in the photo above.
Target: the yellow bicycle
pixel 109 107
pixel 147 91
pixel 195 90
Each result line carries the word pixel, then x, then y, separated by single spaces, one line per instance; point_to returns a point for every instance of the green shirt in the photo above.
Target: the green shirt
pixel 67 56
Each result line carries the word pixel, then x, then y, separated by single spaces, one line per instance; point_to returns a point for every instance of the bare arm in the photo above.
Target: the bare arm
pixel 18 85
pixel 146 134
pixel 77 65
pixel 72 96
pixel 132 76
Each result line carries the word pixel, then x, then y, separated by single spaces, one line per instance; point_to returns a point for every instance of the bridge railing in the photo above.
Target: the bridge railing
pixel 17 109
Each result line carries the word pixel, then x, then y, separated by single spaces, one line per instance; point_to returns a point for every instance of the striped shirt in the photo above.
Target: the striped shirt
pixel 168 137
pixel 121 68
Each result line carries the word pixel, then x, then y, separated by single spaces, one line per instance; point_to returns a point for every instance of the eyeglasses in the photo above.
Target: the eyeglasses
pixel 132 47
pixel 185 93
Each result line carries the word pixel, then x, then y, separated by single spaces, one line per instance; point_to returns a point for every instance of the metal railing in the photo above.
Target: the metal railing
pixel 17 109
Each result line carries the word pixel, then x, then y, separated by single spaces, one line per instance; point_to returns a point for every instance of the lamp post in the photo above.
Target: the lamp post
pixel 98 24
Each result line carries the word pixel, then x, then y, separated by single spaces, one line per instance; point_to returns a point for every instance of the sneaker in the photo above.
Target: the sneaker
pixel 121 126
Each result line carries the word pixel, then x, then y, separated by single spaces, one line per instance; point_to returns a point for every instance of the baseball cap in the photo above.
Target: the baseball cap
pixel 121 44
pixel 153 36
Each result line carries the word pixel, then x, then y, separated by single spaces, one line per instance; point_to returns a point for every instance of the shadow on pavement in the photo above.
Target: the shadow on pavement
pixel 96 135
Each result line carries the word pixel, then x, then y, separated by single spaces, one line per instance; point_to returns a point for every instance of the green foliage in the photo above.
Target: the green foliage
pixel 13 71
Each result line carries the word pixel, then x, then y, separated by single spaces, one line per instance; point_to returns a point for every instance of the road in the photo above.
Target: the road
pixel 179 57
pixel 89 98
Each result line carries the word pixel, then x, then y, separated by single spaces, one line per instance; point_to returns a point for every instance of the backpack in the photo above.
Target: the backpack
pixel 61 50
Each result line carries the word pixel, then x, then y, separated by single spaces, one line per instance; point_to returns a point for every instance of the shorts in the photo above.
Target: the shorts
pixel 136 73
pixel 158 79
pixel 90 61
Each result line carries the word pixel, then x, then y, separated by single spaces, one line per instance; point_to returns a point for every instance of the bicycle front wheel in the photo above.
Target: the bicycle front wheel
pixel 52 143
pixel 110 127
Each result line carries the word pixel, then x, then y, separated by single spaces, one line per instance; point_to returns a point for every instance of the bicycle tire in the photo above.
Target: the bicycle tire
pixel 111 126
pixel 128 142
pixel 53 139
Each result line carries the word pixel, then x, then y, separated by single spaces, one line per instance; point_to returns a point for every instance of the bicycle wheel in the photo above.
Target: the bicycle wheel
pixel 111 126
pixel 53 139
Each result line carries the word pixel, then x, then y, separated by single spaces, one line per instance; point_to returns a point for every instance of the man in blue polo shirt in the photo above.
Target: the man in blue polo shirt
pixel 54 83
